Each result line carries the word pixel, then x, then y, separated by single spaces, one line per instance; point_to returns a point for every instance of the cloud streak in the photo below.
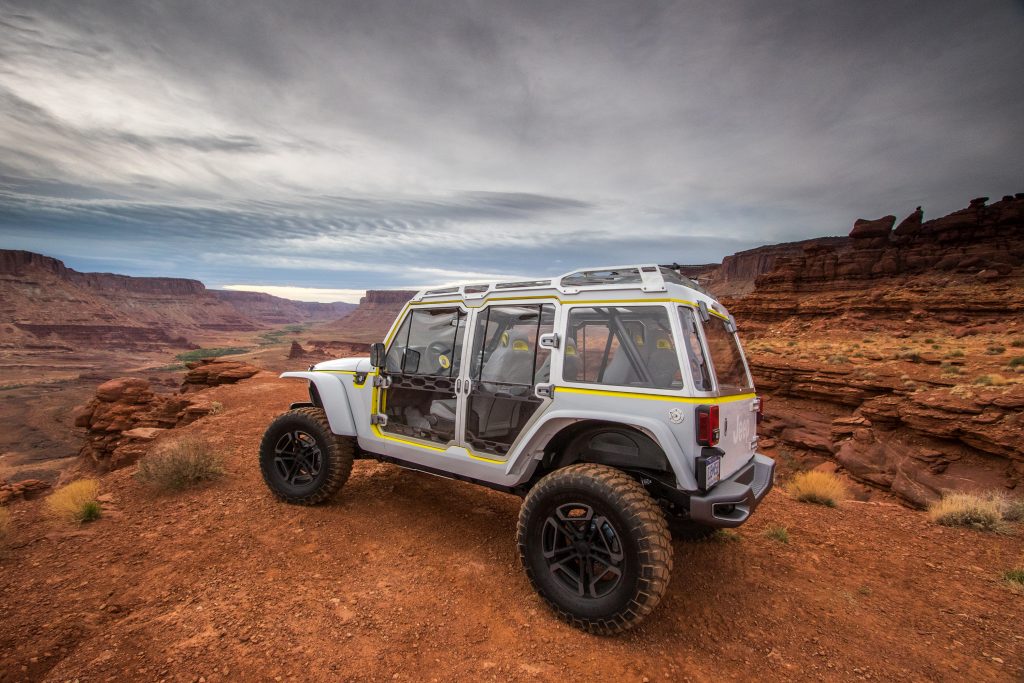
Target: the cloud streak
pixel 345 145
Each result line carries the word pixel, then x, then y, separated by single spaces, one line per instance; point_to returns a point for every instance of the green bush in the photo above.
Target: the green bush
pixel 1017 343
pixel 1015 576
pixel 198 354
pixel 995 350
pixel 1016 361
pixel 778 533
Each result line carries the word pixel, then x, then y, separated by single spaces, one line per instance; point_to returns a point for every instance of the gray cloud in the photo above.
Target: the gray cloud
pixel 303 143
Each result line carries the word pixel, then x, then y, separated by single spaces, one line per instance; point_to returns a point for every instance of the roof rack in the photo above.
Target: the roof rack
pixel 644 277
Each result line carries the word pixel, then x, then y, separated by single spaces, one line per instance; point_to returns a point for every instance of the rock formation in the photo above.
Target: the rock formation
pixel 888 420
pixel 370 321
pixel 211 372
pixel 42 301
pixel 124 416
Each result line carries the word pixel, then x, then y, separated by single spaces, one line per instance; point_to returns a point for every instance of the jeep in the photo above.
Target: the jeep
pixel 616 402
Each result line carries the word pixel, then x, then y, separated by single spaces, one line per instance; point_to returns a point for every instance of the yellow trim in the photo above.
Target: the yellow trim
pixel 657 397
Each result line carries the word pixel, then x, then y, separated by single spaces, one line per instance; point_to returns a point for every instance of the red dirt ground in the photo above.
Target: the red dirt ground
pixel 409 577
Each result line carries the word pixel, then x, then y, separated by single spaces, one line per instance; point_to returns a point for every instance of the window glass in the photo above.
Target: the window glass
pixel 429 342
pixel 623 346
pixel 423 361
pixel 505 347
pixel 726 357
pixel 694 351
pixel 505 363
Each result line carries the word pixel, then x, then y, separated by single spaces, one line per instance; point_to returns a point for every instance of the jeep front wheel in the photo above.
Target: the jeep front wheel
pixel 595 546
pixel 302 461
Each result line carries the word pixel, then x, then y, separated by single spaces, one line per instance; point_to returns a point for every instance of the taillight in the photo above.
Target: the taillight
pixel 707 425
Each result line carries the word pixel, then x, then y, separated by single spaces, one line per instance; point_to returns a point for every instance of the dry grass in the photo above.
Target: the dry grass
pixel 184 463
pixel 972 510
pixel 778 533
pixel 5 525
pixel 75 502
pixel 817 487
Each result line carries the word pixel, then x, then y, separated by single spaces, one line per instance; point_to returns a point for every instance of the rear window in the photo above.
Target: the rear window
pixel 726 357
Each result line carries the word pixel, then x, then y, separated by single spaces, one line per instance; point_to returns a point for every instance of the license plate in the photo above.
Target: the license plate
pixel 712 471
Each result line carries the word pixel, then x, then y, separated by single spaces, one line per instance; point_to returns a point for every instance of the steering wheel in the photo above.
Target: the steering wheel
pixel 437 350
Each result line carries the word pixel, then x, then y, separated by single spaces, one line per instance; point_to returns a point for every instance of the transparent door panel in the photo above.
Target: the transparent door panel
pixel 506 363
pixel 423 363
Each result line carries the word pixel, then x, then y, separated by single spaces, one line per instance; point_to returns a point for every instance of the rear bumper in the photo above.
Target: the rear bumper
pixel 731 502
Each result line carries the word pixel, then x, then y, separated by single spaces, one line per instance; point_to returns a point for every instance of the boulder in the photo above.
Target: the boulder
pixel 123 419
pixel 211 372
pixel 863 229
pixel 911 225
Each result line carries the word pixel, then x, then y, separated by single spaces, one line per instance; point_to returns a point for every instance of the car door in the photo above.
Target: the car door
pixel 423 366
pixel 505 363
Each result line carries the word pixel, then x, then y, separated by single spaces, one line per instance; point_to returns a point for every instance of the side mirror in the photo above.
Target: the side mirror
pixel 377 354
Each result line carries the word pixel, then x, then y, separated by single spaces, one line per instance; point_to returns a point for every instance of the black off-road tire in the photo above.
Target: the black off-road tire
pixel 620 503
pixel 334 456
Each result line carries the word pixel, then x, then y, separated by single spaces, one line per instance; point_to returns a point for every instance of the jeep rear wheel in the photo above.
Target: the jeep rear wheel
pixel 302 461
pixel 595 547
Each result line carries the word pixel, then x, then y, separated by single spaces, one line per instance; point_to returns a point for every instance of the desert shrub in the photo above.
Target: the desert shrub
pixel 992 380
pixel 726 536
pixel 1016 361
pixel 75 502
pixel 838 359
pixel 196 354
pixel 778 533
pixel 936 347
pixel 968 510
pixel 1017 343
pixel 216 407
pixel 1013 509
pixel 817 487
pixel 995 350
pixel 5 525
pixel 955 353
pixel 950 369
pixel 929 340
pixel 912 356
pixel 1015 576
pixel 186 462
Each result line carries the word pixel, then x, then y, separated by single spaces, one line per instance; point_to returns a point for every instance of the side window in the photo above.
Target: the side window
pixel 694 351
pixel 727 358
pixel 506 362
pixel 428 342
pixel 505 345
pixel 622 346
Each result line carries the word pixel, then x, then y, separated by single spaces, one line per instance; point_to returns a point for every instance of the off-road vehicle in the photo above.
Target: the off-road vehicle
pixel 616 401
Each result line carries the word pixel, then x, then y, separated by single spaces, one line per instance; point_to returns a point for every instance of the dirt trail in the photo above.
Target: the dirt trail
pixel 409 577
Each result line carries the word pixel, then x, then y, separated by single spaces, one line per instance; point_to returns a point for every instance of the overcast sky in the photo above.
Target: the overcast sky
pixel 342 146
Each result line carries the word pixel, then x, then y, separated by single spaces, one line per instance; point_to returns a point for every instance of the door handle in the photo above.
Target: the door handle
pixel 467 384
pixel 458 386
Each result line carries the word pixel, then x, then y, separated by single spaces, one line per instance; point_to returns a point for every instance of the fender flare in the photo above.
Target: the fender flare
pixel 334 399
pixel 552 423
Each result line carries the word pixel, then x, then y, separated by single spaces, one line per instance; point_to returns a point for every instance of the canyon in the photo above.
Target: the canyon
pixel 64 332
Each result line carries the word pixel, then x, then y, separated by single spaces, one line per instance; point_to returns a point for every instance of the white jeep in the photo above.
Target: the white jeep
pixel 617 401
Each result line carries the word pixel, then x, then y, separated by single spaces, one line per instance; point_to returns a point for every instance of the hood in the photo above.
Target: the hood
pixel 350 364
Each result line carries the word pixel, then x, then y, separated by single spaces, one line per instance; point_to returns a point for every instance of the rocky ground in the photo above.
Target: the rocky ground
pixel 409 577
